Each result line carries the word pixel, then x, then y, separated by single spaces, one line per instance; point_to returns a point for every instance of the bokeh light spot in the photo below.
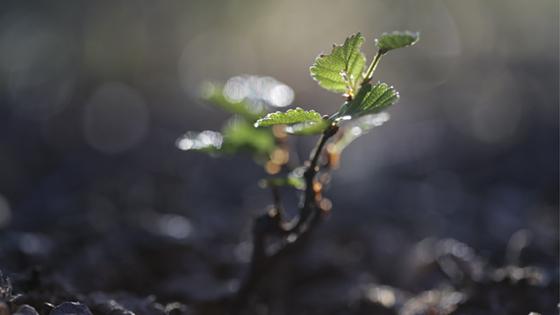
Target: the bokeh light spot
pixel 116 118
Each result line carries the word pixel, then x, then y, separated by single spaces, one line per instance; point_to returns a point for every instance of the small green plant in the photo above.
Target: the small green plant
pixel 264 134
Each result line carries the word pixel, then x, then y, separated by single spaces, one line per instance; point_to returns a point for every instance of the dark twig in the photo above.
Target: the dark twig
pixel 310 202
pixel 272 224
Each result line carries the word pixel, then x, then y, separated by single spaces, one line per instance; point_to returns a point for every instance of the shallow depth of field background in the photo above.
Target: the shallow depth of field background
pixel 93 96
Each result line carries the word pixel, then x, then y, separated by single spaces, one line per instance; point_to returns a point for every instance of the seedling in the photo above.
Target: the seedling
pixel 262 133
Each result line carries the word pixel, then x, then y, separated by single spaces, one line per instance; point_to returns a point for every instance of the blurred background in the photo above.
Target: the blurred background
pixel 94 192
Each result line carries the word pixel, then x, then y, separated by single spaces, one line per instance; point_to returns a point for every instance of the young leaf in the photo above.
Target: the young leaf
pixel 290 117
pixel 239 135
pixel 206 141
pixel 341 71
pixel 395 40
pixel 292 181
pixel 215 95
pixel 308 128
pixel 357 128
pixel 369 100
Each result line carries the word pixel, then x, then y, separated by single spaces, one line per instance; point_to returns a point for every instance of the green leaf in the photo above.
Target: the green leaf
pixel 341 71
pixel 369 100
pixel 206 141
pixel 290 117
pixel 240 135
pixel 357 128
pixel 291 180
pixel 214 94
pixel 237 135
pixel 395 40
pixel 308 128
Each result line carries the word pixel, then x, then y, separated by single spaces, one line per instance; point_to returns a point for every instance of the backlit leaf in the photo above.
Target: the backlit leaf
pixel 308 128
pixel 204 141
pixel 215 95
pixel 395 40
pixel 369 100
pixel 341 70
pixel 357 128
pixel 237 135
pixel 240 135
pixel 289 117
pixel 291 180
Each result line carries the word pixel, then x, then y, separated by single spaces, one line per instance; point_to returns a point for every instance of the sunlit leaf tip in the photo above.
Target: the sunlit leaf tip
pixel 395 40
pixel 289 117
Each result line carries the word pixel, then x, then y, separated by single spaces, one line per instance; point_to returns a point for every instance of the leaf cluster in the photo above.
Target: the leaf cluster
pixel 344 71
pixel 237 134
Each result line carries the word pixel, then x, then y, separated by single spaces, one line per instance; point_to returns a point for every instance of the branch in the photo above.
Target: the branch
pixel 310 202
pixel 291 238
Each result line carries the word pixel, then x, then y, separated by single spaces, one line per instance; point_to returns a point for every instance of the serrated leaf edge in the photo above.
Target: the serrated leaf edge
pixel 270 116
pixel 416 36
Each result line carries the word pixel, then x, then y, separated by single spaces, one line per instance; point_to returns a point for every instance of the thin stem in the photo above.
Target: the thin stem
pixel 276 199
pixel 372 66
pixel 309 176
pixel 266 225
pixel 256 265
